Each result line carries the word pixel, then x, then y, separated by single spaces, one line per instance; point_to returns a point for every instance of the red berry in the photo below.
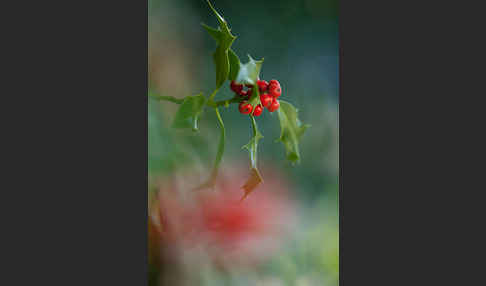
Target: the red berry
pixel 274 106
pixel 243 93
pixel 249 91
pixel 274 88
pixel 258 110
pixel 266 100
pixel 262 85
pixel 274 82
pixel 236 87
pixel 245 107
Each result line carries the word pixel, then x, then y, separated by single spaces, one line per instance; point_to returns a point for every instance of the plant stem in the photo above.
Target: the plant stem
pixel 210 102
pixel 235 99
pixel 167 98
pixel 211 97
pixel 210 183
pixel 219 155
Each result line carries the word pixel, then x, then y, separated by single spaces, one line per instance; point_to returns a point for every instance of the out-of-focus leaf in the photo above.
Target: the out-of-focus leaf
pixel 164 154
pixel 224 39
pixel 188 113
pixel 252 147
pixel 291 130
pixel 248 73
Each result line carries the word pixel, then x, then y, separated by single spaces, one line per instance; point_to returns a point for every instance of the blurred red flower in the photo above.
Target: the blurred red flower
pixel 227 229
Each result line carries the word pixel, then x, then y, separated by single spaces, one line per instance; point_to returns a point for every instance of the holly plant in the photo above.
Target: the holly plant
pixel 252 94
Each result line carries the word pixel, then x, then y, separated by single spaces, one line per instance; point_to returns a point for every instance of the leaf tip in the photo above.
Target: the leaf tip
pixel 294 158
pixel 252 182
pixel 220 18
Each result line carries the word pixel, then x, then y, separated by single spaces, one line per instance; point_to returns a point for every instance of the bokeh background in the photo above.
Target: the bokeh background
pixel 299 42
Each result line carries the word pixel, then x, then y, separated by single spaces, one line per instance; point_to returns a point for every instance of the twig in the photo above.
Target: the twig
pixel 167 98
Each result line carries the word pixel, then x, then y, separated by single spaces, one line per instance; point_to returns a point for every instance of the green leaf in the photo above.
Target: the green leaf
pixel 220 18
pixel 291 130
pixel 219 155
pixel 252 182
pixel 224 39
pixel 252 147
pixel 222 140
pixel 188 113
pixel 215 33
pixel 248 73
pixel 234 65
pixel 254 97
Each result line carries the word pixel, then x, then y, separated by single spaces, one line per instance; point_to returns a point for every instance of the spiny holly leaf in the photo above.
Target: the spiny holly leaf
pixel 291 130
pixel 252 146
pixel 224 39
pixel 220 18
pixel 234 65
pixel 188 113
pixel 252 182
pixel 248 73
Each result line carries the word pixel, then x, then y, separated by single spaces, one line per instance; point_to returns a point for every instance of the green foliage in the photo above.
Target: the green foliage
pixel 188 113
pixel 224 39
pixel 222 141
pixel 248 73
pixel 229 66
pixel 255 98
pixel 163 154
pixel 291 130
pixel 158 141
pixel 252 147
pixel 234 65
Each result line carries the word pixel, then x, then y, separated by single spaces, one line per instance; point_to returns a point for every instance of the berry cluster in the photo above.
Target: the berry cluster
pixel 269 92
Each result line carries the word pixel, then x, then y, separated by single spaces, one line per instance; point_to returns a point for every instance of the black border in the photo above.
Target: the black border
pixel 84 106
pixel 82 144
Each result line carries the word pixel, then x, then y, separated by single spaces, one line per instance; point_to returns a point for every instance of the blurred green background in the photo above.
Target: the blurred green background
pixel 299 42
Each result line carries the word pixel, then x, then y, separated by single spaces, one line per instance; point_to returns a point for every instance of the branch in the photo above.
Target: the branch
pixel 235 99
pixel 220 152
pixel 211 103
pixel 167 98
pixel 210 183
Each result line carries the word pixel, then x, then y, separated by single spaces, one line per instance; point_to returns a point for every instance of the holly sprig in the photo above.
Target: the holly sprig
pixel 229 67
